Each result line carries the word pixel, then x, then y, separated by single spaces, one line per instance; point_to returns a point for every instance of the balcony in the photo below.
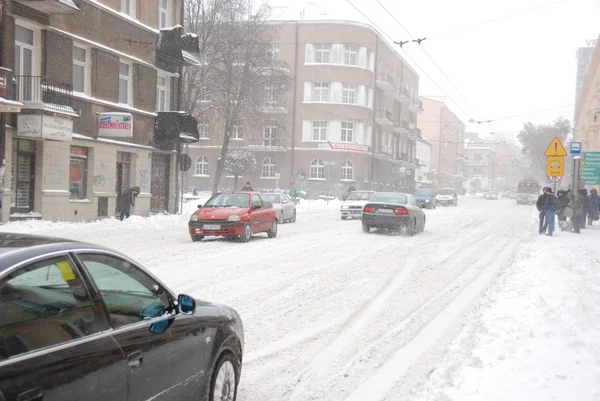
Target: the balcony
pixel 385 149
pixel 176 48
pixel 414 134
pixel 51 6
pixel 416 106
pixel 275 68
pixel 401 126
pixel 274 107
pixel 40 93
pixel 383 117
pixel 385 82
pixel 402 95
pixel 175 127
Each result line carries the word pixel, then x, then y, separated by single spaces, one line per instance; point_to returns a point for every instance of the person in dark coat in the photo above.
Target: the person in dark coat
pixel 579 208
pixel 562 203
pixel 247 187
pixel 592 206
pixel 125 201
pixel 540 207
pixel 585 208
pixel 549 209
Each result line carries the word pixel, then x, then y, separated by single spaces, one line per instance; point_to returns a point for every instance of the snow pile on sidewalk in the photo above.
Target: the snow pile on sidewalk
pixel 307 205
pixel 536 332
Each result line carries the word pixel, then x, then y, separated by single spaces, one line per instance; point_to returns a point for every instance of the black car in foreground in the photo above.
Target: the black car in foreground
pixel 393 211
pixel 82 322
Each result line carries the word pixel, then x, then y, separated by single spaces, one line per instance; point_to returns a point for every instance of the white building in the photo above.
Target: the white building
pixel 423 155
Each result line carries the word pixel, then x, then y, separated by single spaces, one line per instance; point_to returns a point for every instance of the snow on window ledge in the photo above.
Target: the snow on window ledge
pixel 201 175
pixel 267 178
pixel 80 201
pixel 30 214
pixel 340 103
pixel 314 64
pixel 237 139
pixel 347 180
pixel 56 192
pixel 317 179
pixel 233 176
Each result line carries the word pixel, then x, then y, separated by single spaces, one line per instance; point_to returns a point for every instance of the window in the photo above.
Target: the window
pixel 45 304
pixel 238 56
pixel 322 53
pixel 270 134
pixel 128 7
pixel 321 92
pixel 124 83
pixel 268 168
pixel 349 94
pixel 350 52
pixel 273 53
pixel 164 13
pixel 347 131
pixel 270 95
pixel 78 172
pixel 317 169
pixel 80 69
pixel 202 165
pixel 204 94
pixel 256 202
pixel 162 92
pixel 130 295
pixel 24 63
pixel 347 170
pixel 319 131
pixel 203 129
pixel 123 172
pixel 238 131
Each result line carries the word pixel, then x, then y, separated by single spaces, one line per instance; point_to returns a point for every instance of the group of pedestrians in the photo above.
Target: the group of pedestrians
pixel 574 211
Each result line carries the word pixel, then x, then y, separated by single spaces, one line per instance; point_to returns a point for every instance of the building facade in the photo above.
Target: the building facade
pixel 97 80
pixel 583 56
pixel 423 176
pixel 440 126
pixel 348 118
pixel 480 167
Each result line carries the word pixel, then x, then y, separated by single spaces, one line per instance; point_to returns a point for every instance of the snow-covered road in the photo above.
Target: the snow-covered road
pixel 332 313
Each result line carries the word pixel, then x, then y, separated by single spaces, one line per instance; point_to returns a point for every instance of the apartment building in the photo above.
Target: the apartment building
pixel 98 81
pixel 587 112
pixel 480 167
pixel 348 118
pixel 446 132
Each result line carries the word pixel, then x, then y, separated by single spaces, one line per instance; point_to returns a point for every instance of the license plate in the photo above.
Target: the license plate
pixel 211 227
pixel 385 211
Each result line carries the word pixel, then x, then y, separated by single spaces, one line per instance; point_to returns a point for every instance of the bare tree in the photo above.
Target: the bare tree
pixel 238 162
pixel 237 76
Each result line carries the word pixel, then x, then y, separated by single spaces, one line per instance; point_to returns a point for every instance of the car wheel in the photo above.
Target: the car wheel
pixel 344 217
pixel 247 234
pixel 294 217
pixel 423 226
pixel 366 229
pixel 272 233
pixel 280 218
pixel 196 238
pixel 223 386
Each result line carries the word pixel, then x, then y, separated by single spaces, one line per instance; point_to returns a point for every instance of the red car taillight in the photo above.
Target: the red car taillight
pixel 401 210
pixel 369 209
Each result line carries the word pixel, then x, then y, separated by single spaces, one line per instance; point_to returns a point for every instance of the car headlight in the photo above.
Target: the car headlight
pixel 426 200
pixel 233 217
pixel 194 217
pixel 344 207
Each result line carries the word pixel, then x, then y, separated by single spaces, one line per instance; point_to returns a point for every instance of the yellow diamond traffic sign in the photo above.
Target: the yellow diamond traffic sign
pixel 555 149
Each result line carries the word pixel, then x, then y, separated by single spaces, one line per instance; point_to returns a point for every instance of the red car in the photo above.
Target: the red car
pixel 234 214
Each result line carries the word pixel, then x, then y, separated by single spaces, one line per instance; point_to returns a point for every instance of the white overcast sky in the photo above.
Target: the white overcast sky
pixel 513 67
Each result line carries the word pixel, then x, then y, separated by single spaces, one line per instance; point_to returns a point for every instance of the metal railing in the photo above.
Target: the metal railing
pixel 386 78
pixel 383 113
pixel 39 92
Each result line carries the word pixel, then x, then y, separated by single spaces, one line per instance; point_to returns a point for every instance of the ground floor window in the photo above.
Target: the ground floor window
pixel 22 175
pixel 78 172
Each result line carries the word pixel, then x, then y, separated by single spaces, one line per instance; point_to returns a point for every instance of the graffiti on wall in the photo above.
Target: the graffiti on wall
pixel 144 178
pixel 99 180
pixel 56 173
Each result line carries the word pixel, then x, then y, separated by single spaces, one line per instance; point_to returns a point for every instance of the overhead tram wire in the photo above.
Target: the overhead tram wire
pixel 431 58
pixel 409 57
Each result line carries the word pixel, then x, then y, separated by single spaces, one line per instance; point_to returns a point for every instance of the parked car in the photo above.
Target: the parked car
pixel 353 206
pixel 426 198
pixel 491 196
pixel 393 211
pixel 234 214
pixel 83 322
pixel 447 197
pixel 284 205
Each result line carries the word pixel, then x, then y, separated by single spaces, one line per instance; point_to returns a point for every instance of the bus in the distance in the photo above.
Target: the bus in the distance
pixel 528 191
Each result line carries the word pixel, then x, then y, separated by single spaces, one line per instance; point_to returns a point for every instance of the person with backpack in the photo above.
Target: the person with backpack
pixel 592 207
pixel 540 207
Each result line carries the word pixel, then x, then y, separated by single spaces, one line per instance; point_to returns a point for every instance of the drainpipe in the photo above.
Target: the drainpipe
pixel 178 101
pixel 295 90
pixel 3 59
pixel 373 122
pixel 440 148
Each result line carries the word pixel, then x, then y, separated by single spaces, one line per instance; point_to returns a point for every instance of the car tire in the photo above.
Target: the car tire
pixel 281 218
pixel 293 217
pixel 224 381
pixel 197 238
pixel 344 217
pixel 411 228
pixel 272 233
pixel 424 221
pixel 366 229
pixel 247 234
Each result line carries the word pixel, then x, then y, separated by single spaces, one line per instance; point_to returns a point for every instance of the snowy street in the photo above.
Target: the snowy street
pixel 334 314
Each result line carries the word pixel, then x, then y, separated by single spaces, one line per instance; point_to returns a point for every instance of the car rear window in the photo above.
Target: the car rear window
pixel 392 199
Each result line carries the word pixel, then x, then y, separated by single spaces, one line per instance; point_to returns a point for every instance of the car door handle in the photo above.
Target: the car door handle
pixel 32 395
pixel 135 359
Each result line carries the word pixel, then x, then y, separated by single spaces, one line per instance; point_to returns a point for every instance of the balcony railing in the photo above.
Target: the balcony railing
pixel 416 106
pixel 41 93
pixel 385 149
pixel 383 116
pixel 385 81
pixel 402 95
pixel 276 67
pixel 51 6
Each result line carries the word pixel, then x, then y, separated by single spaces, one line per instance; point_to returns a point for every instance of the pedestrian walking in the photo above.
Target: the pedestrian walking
pixel 125 201
pixel 592 207
pixel 586 198
pixel 562 203
pixel 549 209
pixel 579 208
pixel 540 207
pixel 294 193
pixel 247 187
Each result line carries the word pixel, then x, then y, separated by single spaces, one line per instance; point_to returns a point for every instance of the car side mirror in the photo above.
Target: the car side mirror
pixel 199 206
pixel 187 304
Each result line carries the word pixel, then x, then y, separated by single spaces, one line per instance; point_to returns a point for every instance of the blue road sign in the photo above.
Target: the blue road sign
pixel 575 148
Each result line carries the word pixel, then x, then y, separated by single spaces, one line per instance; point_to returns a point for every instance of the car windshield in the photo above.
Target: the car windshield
pixel 528 189
pixel 274 198
pixel 228 200
pixel 360 196
pixel 389 198
pixel 446 191
pixel 424 192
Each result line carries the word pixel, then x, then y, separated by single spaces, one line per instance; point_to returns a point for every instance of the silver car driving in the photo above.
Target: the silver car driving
pixel 284 205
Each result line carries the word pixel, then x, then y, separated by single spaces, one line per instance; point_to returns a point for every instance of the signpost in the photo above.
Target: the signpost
pixel 555 161
pixel 590 168
pixel 575 148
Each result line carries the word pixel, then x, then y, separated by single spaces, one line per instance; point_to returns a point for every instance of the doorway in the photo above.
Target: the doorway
pixel 159 183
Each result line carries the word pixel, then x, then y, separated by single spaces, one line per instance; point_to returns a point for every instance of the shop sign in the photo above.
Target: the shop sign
pixel 79 152
pixel 41 126
pixel 344 146
pixel 115 125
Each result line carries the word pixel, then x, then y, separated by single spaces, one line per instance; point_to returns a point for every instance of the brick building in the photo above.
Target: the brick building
pixel 348 118
pixel 98 81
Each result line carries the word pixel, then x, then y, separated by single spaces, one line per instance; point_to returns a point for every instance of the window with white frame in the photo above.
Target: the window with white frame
pixel 128 7
pixel 24 60
pixel 201 165
pixel 124 83
pixel 349 93
pixel 319 129
pixel 321 92
pixel 164 13
pixel 162 92
pixel 322 53
pixel 274 52
pixel 270 133
pixel 317 169
pixel 270 95
pixel 347 131
pixel 268 168
pixel 347 170
pixel 238 131
pixel 238 56
pixel 203 129
pixel 350 54
pixel 80 69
